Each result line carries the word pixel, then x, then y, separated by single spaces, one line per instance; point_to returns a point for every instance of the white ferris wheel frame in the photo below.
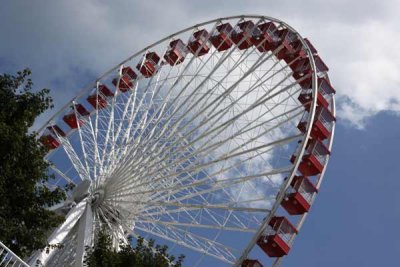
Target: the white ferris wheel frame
pixel 83 209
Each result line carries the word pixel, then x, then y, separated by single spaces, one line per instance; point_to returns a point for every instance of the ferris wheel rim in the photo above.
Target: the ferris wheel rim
pixel 312 108
pixel 92 85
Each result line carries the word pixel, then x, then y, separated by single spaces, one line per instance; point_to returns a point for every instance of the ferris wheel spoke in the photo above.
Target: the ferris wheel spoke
pixel 241 132
pixel 225 156
pixel 113 152
pixel 203 226
pixel 187 84
pixel 217 188
pixel 190 240
pixel 63 175
pixel 178 77
pixel 235 83
pixel 191 168
pixel 74 159
pixel 232 154
pixel 198 168
pixel 223 206
pixel 125 111
pixel 276 117
pixel 94 156
pixel 85 157
pixel 160 116
pixel 107 136
pixel 222 96
pixel 215 185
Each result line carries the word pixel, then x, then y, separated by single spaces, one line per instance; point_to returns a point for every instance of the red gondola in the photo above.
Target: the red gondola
pixel 198 43
pixel 105 91
pixel 277 241
pixel 268 38
pixel 56 130
pixel 300 196
pixel 288 40
pixel 221 39
pixel 302 67
pixel 49 142
pixel 149 65
pixel 322 125
pixel 72 120
pixel 299 51
pixel 81 110
pixel 325 92
pixel 97 101
pixel 314 158
pixel 123 83
pixel 176 52
pixel 128 71
pixel 244 33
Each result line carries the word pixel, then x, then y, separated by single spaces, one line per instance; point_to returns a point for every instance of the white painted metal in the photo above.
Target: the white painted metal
pixel 194 154
pixel 85 231
pixel 60 234
pixel 8 258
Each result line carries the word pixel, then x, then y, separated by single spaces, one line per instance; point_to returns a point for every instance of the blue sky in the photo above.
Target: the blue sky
pixel 354 219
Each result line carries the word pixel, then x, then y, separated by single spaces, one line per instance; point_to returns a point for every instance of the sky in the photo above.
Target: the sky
pixel 67 44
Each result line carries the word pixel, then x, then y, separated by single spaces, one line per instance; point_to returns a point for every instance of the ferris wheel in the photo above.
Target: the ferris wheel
pixel 213 140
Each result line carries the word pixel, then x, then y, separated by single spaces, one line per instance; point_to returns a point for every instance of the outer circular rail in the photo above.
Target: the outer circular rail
pixel 310 82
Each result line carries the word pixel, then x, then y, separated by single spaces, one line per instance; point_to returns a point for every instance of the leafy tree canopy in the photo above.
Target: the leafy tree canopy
pixel 24 220
pixel 142 255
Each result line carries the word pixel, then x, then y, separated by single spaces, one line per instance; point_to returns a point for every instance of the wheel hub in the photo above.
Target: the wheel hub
pixel 97 198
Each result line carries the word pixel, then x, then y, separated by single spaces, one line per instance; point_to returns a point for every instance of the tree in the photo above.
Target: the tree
pixel 102 254
pixel 24 220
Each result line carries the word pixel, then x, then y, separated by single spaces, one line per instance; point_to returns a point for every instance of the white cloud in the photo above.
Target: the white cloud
pixel 69 43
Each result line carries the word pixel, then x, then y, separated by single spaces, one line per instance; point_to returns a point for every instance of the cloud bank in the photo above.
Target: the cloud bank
pixel 69 43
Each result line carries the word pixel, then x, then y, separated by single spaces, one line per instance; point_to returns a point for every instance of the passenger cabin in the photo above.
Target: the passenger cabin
pixel 56 130
pixel 221 38
pixel 322 125
pixel 243 34
pixel 148 67
pixel 302 67
pixel 81 110
pixel 314 158
pixel 103 89
pixel 198 43
pixel 128 71
pixel 268 38
pixel 251 263
pixel 49 141
pixel 299 52
pixel 97 101
pixel 296 53
pixel 310 45
pixel 300 195
pixel 123 83
pixel 288 40
pixel 71 118
pixel 176 52
pixel 325 92
pixel 277 240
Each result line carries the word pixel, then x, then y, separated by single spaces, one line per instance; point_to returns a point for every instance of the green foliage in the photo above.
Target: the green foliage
pixel 103 254
pixel 24 222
